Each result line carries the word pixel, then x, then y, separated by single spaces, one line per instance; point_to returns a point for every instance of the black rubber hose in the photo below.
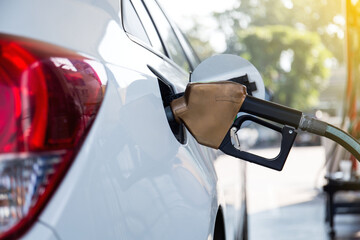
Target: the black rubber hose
pixel 321 128
pixel 344 139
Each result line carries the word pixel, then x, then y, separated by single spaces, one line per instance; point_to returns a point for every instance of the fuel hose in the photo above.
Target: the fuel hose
pixel 288 116
pixel 345 140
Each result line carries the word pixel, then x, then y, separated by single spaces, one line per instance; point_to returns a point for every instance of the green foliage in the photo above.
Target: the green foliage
pixel 295 79
pixel 311 15
pixel 309 31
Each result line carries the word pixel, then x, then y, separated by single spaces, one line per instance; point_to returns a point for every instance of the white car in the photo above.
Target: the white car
pixel 86 150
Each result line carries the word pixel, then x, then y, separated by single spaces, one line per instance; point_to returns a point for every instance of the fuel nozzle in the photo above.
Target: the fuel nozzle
pixel 208 111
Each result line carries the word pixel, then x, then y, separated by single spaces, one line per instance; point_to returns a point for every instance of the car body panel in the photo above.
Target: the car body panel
pixel 40 231
pixel 131 178
pixel 77 25
pixel 142 190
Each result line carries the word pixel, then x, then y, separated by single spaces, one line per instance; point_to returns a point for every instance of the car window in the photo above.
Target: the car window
pixel 132 23
pixel 148 25
pixel 167 34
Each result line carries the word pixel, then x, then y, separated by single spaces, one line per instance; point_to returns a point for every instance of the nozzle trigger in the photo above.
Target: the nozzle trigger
pixel 231 145
pixel 234 138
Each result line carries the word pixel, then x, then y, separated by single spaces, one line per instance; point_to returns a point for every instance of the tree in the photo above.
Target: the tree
pixel 291 62
pixel 325 17
pixel 289 41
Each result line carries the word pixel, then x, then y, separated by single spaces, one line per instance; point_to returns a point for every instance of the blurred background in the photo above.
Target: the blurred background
pixel 308 55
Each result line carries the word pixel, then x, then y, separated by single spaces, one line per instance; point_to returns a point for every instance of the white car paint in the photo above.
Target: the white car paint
pixel 131 179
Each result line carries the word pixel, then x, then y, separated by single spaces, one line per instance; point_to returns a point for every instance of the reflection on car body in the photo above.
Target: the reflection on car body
pixel 129 176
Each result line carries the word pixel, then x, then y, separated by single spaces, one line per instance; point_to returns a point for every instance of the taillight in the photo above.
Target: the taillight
pixel 49 98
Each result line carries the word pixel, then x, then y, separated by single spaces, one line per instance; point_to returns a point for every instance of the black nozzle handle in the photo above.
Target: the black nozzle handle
pixel 271 111
pixel 288 137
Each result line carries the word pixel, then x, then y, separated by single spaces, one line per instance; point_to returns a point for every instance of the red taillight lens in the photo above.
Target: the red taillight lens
pixel 48 99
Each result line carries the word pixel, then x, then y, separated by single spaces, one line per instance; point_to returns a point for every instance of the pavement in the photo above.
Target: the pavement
pixel 290 204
